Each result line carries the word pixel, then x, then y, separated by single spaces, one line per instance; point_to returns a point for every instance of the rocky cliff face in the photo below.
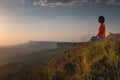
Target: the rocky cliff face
pixel 67 45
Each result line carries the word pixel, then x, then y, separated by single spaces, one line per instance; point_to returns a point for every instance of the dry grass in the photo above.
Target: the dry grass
pixel 88 60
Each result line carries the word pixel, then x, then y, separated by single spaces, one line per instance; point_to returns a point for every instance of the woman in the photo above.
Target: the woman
pixel 101 31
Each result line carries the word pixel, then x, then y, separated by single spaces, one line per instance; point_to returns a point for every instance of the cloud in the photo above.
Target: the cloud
pixel 13 3
pixel 98 1
pixel 58 2
pixel 41 3
pixel 113 2
pixel 68 2
pixel 54 3
pixel 72 2
pixel 109 2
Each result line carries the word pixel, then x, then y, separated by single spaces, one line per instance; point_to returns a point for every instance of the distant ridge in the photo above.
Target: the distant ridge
pixel 32 46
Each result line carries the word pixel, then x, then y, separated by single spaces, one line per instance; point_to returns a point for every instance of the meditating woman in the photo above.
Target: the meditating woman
pixel 101 31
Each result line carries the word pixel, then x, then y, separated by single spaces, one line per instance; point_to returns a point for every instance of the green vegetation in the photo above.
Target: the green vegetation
pixel 99 60
pixel 88 61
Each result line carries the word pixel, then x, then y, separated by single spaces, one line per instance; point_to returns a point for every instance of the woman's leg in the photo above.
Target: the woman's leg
pixel 96 39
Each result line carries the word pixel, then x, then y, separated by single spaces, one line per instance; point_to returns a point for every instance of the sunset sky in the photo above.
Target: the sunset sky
pixel 55 20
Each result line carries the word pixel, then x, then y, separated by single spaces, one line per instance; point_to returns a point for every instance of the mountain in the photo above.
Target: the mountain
pixel 98 60
pixel 25 64
pixel 9 52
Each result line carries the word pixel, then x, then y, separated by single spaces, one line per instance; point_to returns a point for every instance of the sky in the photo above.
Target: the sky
pixel 55 20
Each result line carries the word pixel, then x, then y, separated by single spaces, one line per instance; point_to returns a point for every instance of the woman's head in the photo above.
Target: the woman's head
pixel 101 19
